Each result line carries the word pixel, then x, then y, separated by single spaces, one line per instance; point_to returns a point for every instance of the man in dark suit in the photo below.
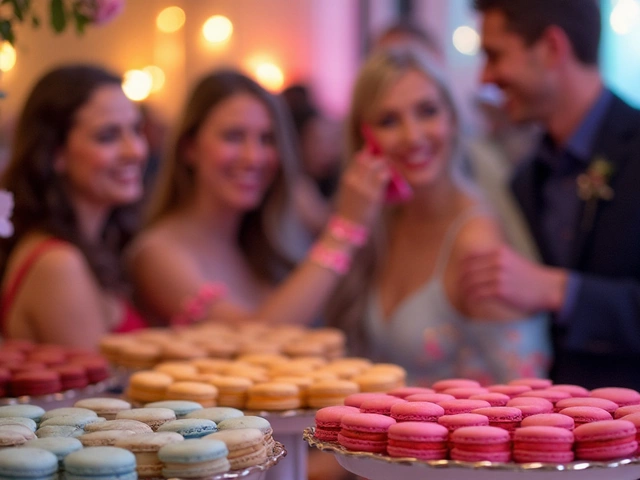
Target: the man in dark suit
pixel 580 191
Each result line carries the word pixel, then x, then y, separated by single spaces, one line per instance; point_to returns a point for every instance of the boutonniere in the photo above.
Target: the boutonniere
pixel 593 186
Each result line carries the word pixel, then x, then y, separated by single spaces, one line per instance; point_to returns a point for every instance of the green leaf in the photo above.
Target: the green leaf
pixel 58 16
pixel 81 20
pixel 6 31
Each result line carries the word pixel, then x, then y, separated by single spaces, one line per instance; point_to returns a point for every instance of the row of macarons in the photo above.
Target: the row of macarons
pixel 145 348
pixel 264 382
pixel 145 432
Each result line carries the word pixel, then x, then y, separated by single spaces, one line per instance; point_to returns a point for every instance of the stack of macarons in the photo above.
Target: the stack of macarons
pixel 28 369
pixel 132 443
pixel 516 421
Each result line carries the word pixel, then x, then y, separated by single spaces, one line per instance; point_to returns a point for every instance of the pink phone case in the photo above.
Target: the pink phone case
pixel 398 190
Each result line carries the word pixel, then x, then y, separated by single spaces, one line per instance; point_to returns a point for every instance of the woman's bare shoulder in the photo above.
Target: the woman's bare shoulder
pixel 481 231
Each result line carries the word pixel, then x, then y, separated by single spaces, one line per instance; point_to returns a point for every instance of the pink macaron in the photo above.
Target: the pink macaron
pixel 328 422
pixel 381 405
pixel 573 390
pixel 582 415
pixel 429 397
pixel 495 399
pixel 534 383
pixel 543 444
pixel 605 440
pixel 626 410
pixel 553 396
pixel 365 432
pixel 511 390
pixel 549 420
pixel 477 444
pixel 404 392
pixel 508 418
pixel 602 403
pixel 531 405
pixel 452 407
pixel 465 392
pixel 635 419
pixel 622 396
pixel 442 385
pixel 416 412
pixel 424 441
pixel 356 399
pixel 454 422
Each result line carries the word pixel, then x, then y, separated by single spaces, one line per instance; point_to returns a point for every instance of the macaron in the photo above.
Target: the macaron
pixel 154 417
pixel 508 418
pixel 576 391
pixel 15 435
pixel 531 405
pixel 34 412
pixel 145 447
pixel 602 403
pixel 59 446
pixel 180 407
pixel 100 463
pixel 549 420
pixel 416 412
pixel 106 407
pixel 465 392
pixel 148 386
pixel 429 397
pixel 534 383
pixel 477 444
pixel 510 390
pixel 79 420
pixel 189 427
pixel 35 383
pixel 27 463
pixel 328 422
pixel 27 422
pixel 404 392
pixel 365 432
pixel 197 458
pixel 621 396
pixel 246 447
pixel 203 393
pixel 544 444
pixel 65 411
pixel 459 420
pixel 554 396
pixel 447 383
pixel 582 415
pixel 273 396
pixel 424 441
pixel 356 399
pixel 605 440
pixel 330 392
pixel 71 376
pixel 122 424
pixel 635 419
pixel 59 431
pixel 216 414
pixel 626 410
pixel 380 405
pixel 104 438
pixel 495 399
pixel 378 381
pixel 452 407
pixel 251 421
pixel 232 390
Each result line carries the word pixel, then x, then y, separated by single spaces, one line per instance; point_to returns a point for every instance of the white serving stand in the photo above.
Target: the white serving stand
pixel 382 467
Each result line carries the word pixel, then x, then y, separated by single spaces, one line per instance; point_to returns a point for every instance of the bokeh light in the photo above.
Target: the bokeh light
pixel 171 19
pixel 466 40
pixel 157 77
pixel 625 16
pixel 217 29
pixel 7 56
pixel 137 84
pixel 269 75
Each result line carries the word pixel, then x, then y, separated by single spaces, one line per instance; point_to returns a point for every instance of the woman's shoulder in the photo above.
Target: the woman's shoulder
pixel 165 237
pixel 480 230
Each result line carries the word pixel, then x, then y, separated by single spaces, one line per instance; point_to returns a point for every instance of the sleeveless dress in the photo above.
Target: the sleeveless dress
pixel 131 318
pixel 432 340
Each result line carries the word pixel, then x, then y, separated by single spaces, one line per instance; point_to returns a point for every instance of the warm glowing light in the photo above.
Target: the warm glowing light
pixel 7 56
pixel 269 75
pixel 157 77
pixel 137 85
pixel 466 40
pixel 217 29
pixel 625 15
pixel 171 19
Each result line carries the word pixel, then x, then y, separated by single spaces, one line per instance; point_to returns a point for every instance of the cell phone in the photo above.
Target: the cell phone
pixel 398 190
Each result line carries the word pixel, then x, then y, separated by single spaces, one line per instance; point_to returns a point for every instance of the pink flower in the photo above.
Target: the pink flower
pixel 6 209
pixel 100 12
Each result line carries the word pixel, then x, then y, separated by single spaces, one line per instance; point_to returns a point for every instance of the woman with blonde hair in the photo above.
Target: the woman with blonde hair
pixel 222 238
pixel 402 301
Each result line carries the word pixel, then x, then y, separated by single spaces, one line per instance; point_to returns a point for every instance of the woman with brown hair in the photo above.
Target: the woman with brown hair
pixel 76 175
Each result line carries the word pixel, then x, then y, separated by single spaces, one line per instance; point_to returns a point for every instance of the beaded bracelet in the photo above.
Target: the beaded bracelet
pixel 331 259
pixel 195 308
pixel 345 230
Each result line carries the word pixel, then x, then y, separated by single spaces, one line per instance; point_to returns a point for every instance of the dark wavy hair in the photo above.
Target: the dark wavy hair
pixel 41 196
pixel 263 232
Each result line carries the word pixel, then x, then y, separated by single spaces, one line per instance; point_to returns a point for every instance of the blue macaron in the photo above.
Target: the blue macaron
pixel 33 412
pixel 190 427
pixel 59 446
pixel 100 463
pixel 181 407
pixel 28 464
pixel 195 458
pixel 216 414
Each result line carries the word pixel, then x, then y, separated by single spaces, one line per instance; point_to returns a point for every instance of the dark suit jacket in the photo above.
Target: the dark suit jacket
pixel 600 345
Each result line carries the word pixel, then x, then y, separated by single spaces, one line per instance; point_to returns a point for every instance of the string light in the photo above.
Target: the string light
pixel 217 29
pixel 137 85
pixel 157 77
pixel 466 40
pixel 170 20
pixel 7 56
pixel 269 75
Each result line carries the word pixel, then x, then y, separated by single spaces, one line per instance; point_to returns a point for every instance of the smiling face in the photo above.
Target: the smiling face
pixel 104 155
pixel 520 70
pixel 234 153
pixel 415 128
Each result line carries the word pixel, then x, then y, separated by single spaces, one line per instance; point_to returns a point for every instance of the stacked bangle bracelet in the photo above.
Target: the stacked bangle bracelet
pixel 195 308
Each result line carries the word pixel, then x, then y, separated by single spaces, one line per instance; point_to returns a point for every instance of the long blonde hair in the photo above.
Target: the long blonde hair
pixel 261 237
pixel 347 308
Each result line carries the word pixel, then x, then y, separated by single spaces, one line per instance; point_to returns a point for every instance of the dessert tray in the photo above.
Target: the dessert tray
pixel 256 472
pixel 382 467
